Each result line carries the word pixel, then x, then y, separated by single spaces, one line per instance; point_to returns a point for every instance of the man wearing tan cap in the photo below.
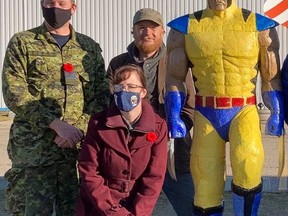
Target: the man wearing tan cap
pixel 148 14
pixel 148 51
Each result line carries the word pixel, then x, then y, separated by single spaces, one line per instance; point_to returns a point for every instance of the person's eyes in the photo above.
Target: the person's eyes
pixel 60 4
pixel 64 4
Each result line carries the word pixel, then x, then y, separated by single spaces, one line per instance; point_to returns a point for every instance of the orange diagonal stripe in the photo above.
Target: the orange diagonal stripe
pixel 278 9
pixel 285 24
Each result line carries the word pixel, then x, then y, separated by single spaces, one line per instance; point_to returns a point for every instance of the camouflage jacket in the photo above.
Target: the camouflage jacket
pixel 33 84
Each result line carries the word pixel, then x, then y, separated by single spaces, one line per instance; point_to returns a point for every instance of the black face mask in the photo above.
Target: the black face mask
pixel 56 17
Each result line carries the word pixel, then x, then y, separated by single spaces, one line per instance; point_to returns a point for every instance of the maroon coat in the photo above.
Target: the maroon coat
pixel 122 171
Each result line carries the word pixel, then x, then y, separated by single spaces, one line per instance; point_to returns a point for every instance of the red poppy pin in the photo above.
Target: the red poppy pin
pixel 70 75
pixel 68 68
pixel 151 136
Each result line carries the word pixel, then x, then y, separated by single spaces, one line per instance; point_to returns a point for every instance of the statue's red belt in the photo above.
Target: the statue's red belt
pixel 224 102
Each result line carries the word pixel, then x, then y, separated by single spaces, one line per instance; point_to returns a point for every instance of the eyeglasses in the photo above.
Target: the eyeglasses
pixel 126 87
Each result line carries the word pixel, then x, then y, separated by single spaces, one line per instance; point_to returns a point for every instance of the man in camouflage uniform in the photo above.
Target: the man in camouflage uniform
pixel 53 79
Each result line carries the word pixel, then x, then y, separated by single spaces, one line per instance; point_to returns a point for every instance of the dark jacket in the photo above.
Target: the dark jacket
pixel 182 151
pixel 121 166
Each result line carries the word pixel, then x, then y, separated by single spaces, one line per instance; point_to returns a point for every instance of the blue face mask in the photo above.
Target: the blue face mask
pixel 126 101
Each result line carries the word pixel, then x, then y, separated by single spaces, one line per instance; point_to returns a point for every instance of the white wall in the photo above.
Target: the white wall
pixel 109 22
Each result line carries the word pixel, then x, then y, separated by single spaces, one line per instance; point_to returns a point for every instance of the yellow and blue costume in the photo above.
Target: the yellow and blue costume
pixel 223 48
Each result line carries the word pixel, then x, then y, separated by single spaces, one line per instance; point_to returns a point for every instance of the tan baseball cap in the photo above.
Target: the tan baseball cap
pixel 148 14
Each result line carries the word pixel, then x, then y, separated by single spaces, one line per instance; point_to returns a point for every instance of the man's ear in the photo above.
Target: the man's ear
pixel 73 9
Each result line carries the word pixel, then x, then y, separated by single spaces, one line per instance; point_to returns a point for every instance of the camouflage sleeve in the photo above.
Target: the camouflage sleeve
pixel 15 87
pixel 97 93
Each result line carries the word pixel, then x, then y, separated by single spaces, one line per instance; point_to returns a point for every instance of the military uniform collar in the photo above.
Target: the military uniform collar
pixel 43 32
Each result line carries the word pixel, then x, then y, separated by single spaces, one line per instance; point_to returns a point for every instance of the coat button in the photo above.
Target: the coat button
pixel 125 172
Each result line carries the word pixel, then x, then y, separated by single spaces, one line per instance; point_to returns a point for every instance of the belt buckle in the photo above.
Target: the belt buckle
pixel 239 102
pixel 223 102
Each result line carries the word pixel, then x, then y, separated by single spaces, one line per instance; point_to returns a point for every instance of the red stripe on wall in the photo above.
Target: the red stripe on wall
pixel 278 9
pixel 285 24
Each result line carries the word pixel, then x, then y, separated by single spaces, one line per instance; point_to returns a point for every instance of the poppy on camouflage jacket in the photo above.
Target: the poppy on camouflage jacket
pixel 34 89
pixel 122 170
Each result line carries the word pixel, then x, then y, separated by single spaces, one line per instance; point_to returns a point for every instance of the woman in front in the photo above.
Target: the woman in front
pixel 124 155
